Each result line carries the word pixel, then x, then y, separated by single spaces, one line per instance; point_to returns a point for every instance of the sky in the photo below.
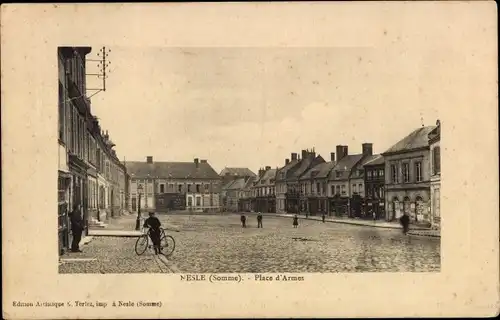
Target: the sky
pixel 252 107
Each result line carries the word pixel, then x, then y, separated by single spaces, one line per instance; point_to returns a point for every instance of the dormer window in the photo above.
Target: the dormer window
pixel 338 174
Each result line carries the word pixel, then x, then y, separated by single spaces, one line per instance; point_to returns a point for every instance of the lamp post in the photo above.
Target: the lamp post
pixel 138 221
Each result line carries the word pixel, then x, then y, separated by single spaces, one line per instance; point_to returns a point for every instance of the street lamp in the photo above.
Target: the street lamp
pixel 138 221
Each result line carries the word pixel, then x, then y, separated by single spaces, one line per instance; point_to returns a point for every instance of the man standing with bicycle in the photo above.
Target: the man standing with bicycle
pixel 154 224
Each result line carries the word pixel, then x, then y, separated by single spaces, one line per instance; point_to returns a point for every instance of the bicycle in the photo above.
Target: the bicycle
pixel 167 243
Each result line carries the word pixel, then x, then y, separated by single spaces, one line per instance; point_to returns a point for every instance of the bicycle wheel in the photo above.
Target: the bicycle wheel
pixel 141 244
pixel 167 245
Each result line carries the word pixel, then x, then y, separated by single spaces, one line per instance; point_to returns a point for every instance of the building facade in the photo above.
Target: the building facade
pixel 435 168
pixel 229 176
pixel 315 182
pixel 246 200
pixel 170 186
pixel 281 187
pixel 264 190
pixel 407 177
pixel 374 201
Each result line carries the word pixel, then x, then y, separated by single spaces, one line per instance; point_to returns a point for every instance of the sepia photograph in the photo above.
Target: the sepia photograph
pixel 250 160
pixel 191 192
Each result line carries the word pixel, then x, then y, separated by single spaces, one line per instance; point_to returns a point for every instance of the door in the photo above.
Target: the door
pixel 134 204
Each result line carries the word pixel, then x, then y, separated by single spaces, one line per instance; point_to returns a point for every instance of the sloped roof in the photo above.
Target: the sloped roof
pixel 240 172
pixel 249 183
pixel 322 169
pixel 228 185
pixel 266 177
pixel 375 160
pixel 285 169
pixel 303 166
pixel 344 166
pixel 171 170
pixel 237 184
pixel 416 139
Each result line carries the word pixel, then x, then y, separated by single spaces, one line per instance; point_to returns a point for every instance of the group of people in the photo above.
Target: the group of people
pixel 243 220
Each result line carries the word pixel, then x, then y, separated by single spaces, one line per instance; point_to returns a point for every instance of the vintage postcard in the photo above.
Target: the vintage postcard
pixel 250 160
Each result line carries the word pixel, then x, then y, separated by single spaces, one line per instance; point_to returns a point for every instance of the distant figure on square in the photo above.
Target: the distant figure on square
pixel 154 224
pixel 243 221
pixel 77 227
pixel 405 222
pixel 295 221
pixel 374 215
pixel 259 220
pixel 323 217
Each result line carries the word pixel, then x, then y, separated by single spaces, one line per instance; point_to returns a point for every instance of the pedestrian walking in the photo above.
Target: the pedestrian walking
pixel 405 222
pixel 307 214
pixel 374 215
pixel 259 220
pixel 243 221
pixel 295 221
pixel 154 224
pixel 323 217
pixel 77 227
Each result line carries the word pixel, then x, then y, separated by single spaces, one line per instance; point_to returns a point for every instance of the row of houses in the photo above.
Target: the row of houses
pixel 404 178
pixel 89 171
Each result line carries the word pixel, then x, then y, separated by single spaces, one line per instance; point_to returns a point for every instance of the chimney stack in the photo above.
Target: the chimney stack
pixel 261 172
pixel 287 161
pixel 367 149
pixel 203 161
pixel 294 156
pixel 196 162
pixel 332 156
pixel 342 151
pixel 268 168
pixel 149 159
pixel 304 154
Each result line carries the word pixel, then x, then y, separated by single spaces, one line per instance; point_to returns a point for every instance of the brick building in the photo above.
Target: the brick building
pixel 407 177
pixel 193 186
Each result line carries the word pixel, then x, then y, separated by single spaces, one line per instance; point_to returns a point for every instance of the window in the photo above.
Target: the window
pixel 198 201
pixel 380 172
pixel 338 174
pixel 198 188
pixel 332 189
pixel 394 173
pixel 189 188
pixel 418 171
pixel 343 189
pixel 354 189
pixel 61 112
pixel 318 187
pixel 206 187
pixel 406 172
pixel 338 190
pixel 368 174
pixel 360 188
pixel 180 188
pixel 162 188
pixel 381 192
pixel 436 157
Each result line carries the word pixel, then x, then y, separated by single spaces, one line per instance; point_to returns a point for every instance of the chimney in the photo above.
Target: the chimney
pixel 149 159
pixel 287 161
pixel 304 154
pixel 332 156
pixel 261 172
pixel 338 150
pixel 294 156
pixel 203 161
pixel 345 151
pixel 268 168
pixel 367 149
pixel 196 162
pixel 312 154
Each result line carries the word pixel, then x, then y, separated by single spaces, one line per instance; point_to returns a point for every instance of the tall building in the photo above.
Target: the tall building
pixel 374 186
pixel 229 176
pixel 316 186
pixel 281 187
pixel 165 186
pixel 264 190
pixel 74 109
pixel 407 177
pixel 435 163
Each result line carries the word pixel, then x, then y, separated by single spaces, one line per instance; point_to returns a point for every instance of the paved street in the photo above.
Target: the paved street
pixel 215 243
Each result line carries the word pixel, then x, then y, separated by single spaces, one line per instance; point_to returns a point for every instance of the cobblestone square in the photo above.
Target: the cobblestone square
pixel 218 244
